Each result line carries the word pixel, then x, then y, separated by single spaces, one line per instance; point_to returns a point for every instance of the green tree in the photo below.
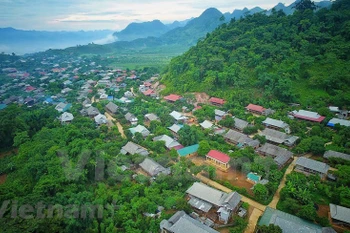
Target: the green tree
pixel 204 148
pixel 269 229
pixel 260 192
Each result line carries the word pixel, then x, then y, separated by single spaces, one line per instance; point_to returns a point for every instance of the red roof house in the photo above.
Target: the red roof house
pixel 172 97
pixel 255 108
pixel 218 159
pixel 149 92
pixel 217 101
pixel 29 89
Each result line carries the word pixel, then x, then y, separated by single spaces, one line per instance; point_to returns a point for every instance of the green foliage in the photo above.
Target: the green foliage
pixel 204 148
pixel 302 57
pixel 269 229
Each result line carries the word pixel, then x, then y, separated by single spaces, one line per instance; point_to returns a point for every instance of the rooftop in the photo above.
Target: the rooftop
pixel 188 150
pixel 342 122
pixel 307 115
pixel 219 156
pixel 335 154
pixel 312 164
pixel 172 97
pixel 257 108
pixel 287 222
pixel 340 213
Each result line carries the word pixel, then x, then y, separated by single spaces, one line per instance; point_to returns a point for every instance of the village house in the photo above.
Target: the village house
pixel 151 117
pixel 276 124
pixel 255 109
pixel 290 223
pixel 334 154
pixel 112 108
pixel 340 215
pixel 206 124
pixel 90 111
pixel 217 101
pixel 307 115
pixel 280 155
pixel 310 166
pixel 170 143
pixel 100 119
pixel 175 128
pixel 66 118
pixel 335 121
pixel 219 159
pixel 240 124
pixel 172 98
pixel 133 148
pixel 180 222
pixel 240 139
pixel 219 115
pixel 150 92
pixel 277 137
pixel 178 116
pixel 140 129
pixel 212 203
pixel 62 107
pixel 131 118
pixel 188 151
pixel 153 168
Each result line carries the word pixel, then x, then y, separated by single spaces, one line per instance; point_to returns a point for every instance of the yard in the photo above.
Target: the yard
pixel 235 177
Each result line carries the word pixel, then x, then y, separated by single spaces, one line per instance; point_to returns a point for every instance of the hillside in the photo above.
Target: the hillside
pixel 302 57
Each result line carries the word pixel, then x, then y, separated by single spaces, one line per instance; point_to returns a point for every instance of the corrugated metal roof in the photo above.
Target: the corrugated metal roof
pixel 312 164
pixel 335 154
pixel 340 213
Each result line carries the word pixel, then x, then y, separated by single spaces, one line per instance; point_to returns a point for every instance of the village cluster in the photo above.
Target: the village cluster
pixel 67 83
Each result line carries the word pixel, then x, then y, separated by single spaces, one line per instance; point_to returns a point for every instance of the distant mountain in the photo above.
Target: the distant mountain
pixel 134 31
pixel 194 29
pixel 21 41
pixel 153 28
pixel 183 35
pixel 288 10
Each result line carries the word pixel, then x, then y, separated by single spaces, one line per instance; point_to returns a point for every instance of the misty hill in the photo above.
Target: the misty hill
pixel 22 41
pixel 261 58
pixel 134 31
pixel 291 8
pixel 180 37
pixel 153 28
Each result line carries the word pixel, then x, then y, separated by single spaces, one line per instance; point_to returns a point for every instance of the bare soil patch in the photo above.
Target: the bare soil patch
pixel 235 177
pixel 201 98
pixel 3 178
pixel 323 210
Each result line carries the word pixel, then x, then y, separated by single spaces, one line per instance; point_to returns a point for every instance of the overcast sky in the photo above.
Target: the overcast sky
pixel 75 15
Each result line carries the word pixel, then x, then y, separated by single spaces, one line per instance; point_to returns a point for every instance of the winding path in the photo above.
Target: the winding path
pixel 112 120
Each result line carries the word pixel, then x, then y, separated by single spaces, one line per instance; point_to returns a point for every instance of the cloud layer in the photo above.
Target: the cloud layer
pixel 109 14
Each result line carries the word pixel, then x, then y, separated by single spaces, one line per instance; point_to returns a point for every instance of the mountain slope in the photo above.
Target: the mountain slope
pixel 195 29
pixel 302 57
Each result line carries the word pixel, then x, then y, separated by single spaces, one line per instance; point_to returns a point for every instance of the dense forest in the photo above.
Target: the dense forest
pixel 302 57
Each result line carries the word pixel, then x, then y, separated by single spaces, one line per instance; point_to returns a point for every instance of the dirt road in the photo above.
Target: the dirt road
pixel 276 197
pixel 258 208
pixel 253 220
pixel 120 127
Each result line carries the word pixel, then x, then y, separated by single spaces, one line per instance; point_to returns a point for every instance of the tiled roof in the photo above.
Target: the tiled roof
pixel 219 156
pixel 307 115
pixel 257 108
pixel 217 100
pixel 172 97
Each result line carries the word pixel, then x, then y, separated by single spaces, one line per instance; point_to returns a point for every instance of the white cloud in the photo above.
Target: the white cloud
pixel 109 14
